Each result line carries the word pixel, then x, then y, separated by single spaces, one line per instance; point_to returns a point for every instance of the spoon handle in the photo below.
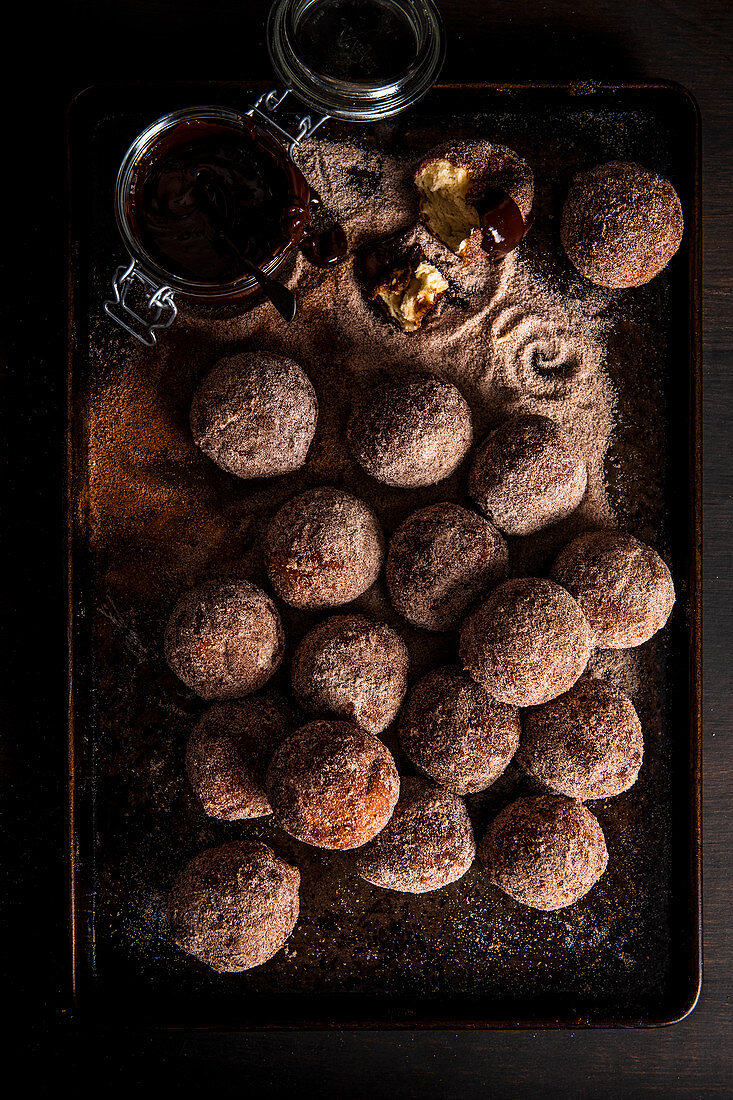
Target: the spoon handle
pixel 217 206
pixel 281 297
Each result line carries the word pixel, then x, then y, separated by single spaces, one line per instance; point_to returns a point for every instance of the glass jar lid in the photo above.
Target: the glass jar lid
pixel 356 59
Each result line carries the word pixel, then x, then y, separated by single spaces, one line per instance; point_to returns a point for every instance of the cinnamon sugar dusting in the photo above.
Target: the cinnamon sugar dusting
pixel 527 642
pixel 585 744
pixel 505 340
pixel 233 907
pixel 527 474
pixel 523 335
pixel 546 852
pixel 323 548
pixel 454 731
pixel 625 589
pixel 621 224
pixel 228 753
pixel 439 561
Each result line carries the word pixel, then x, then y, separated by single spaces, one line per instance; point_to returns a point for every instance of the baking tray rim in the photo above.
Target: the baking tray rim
pixel 81 1003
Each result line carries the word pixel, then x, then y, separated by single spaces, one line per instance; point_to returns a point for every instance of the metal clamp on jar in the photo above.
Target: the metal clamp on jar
pixel 209 202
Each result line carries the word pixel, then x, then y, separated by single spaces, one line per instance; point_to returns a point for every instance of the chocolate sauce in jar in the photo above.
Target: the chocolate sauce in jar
pixel 174 221
pixel 207 199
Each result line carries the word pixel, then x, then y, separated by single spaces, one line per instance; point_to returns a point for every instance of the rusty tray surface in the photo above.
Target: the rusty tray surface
pixel 465 956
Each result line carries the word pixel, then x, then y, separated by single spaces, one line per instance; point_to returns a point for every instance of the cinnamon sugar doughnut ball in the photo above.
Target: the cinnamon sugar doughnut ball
pixel 585 744
pixel 324 548
pixel 233 907
pixel 224 639
pixel 255 415
pixel 427 844
pixel 439 561
pixel 333 785
pixel 411 433
pixel 528 642
pixel 545 851
pixel 352 668
pixel 625 589
pixel 453 730
pixel 527 474
pixel 621 225
pixel 228 753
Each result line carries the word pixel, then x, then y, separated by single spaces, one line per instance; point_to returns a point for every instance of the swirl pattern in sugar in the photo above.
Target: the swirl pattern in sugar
pixel 542 354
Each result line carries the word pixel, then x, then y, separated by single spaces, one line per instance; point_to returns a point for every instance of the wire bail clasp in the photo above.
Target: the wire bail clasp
pixel 160 302
pixel 267 105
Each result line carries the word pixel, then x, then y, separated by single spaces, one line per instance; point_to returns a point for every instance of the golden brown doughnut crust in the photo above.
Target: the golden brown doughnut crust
pixel 333 785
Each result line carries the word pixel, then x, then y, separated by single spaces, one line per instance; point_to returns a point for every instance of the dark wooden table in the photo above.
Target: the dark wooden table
pixel 684 40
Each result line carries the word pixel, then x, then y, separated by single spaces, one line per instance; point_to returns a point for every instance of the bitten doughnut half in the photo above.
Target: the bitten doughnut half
pixel 333 785
pixel 585 744
pixel 354 668
pixel 528 642
pixel 412 433
pixel 625 589
pixel 227 756
pixel 323 548
pixel 224 639
pixel 527 474
pixel 410 293
pixel 427 844
pixel 545 851
pixel 621 225
pixel 396 275
pixel 255 415
pixel 452 183
pixel 453 730
pixel 233 907
pixel 439 561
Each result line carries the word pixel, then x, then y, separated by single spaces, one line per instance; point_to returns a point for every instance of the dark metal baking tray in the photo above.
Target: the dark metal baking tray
pixel 128 718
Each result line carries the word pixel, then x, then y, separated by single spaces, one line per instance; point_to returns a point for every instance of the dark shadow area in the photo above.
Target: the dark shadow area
pixel 546 52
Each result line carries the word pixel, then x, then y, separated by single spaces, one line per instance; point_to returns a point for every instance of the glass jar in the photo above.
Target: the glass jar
pixel 358 60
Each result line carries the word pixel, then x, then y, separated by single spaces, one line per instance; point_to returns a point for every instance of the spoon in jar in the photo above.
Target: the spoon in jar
pixel 215 202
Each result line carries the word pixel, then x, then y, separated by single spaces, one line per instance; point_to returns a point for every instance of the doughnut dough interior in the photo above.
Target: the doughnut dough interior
pixel 412 294
pixel 443 188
